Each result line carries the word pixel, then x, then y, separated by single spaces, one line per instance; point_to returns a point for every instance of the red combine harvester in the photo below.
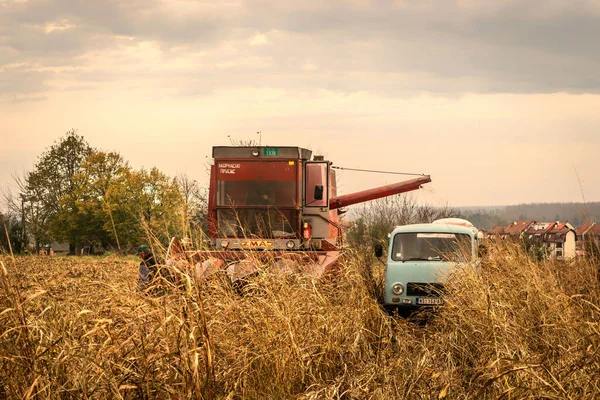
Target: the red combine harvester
pixel 274 207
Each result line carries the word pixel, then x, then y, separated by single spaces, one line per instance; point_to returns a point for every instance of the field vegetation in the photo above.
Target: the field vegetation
pixel 76 327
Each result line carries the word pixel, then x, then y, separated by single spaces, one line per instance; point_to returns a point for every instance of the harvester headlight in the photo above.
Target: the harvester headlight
pixel 398 288
pixel 290 244
pixel 224 243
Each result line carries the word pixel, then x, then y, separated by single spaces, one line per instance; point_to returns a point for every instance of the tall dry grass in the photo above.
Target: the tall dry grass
pixel 78 328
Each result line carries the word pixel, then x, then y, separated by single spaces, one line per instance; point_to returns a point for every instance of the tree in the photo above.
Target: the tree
pixel 146 203
pixel 85 214
pixel 89 197
pixel 536 249
pixel 11 234
pixel 160 204
pixel 51 179
pixel 195 205
pixel 111 204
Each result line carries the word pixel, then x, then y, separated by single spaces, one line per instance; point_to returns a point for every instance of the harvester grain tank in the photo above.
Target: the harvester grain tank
pixel 275 206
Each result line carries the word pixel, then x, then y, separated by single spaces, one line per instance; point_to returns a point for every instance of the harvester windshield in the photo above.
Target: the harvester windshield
pixel 254 222
pixel 257 198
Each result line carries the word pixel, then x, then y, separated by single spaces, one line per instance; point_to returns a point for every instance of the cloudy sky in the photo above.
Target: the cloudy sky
pixel 497 100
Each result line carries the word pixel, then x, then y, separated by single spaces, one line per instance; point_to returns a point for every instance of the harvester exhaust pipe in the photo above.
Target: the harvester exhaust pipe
pixel 376 193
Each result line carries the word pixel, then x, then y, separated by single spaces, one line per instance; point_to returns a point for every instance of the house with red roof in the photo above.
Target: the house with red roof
pixel 515 229
pixel 496 232
pixel 559 238
pixel 538 229
pixel 588 233
pixel 588 230
pixel 562 240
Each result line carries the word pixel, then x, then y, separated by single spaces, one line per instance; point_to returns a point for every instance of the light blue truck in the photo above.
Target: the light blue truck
pixel 419 259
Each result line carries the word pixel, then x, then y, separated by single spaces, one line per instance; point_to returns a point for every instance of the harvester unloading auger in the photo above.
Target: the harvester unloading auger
pixel 274 207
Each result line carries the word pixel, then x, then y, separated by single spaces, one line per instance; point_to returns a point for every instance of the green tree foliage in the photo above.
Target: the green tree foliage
pixel 113 205
pixel 87 197
pixel 536 249
pixel 51 179
pixel 85 214
pixel 11 233
pixel 144 203
pixel 160 204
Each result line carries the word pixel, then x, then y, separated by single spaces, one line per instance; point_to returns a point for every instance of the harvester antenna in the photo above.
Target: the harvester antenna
pixel 378 172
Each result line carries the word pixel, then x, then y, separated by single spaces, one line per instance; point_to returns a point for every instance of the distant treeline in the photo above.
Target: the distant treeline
pixel 574 213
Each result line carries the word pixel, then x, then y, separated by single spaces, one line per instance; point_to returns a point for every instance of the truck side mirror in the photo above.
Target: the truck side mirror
pixel 318 192
pixel 378 250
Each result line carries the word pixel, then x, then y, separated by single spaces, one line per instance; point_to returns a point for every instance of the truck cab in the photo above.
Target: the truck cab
pixel 421 257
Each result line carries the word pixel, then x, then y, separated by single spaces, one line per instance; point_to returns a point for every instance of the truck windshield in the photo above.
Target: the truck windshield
pixel 431 247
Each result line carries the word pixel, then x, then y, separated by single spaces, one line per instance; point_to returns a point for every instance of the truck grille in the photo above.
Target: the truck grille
pixel 424 289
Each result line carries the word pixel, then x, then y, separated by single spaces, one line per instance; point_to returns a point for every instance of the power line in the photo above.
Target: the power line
pixel 377 172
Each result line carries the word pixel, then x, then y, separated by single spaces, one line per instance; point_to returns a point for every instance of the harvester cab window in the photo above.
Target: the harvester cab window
pixel 251 183
pixel 260 193
pixel 257 193
pixel 315 190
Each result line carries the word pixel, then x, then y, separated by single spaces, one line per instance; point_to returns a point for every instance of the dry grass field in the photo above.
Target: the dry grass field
pixel 77 328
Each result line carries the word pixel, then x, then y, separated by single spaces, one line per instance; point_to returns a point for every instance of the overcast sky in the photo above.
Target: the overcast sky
pixel 497 100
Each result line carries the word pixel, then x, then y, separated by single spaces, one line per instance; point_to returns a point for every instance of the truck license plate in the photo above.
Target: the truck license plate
pixel 429 301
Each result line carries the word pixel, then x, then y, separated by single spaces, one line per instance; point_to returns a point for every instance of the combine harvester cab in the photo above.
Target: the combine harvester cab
pixel 275 207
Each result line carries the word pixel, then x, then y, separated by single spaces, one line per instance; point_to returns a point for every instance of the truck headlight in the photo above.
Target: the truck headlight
pixel 224 244
pixel 398 288
pixel 290 244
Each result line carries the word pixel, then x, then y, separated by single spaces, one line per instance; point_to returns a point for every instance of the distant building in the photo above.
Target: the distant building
pixel 515 229
pixel 538 231
pixel 588 231
pixel 561 240
pixel 497 231
pixel 558 238
pixel 587 234
pixel 60 248
pixel 518 228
